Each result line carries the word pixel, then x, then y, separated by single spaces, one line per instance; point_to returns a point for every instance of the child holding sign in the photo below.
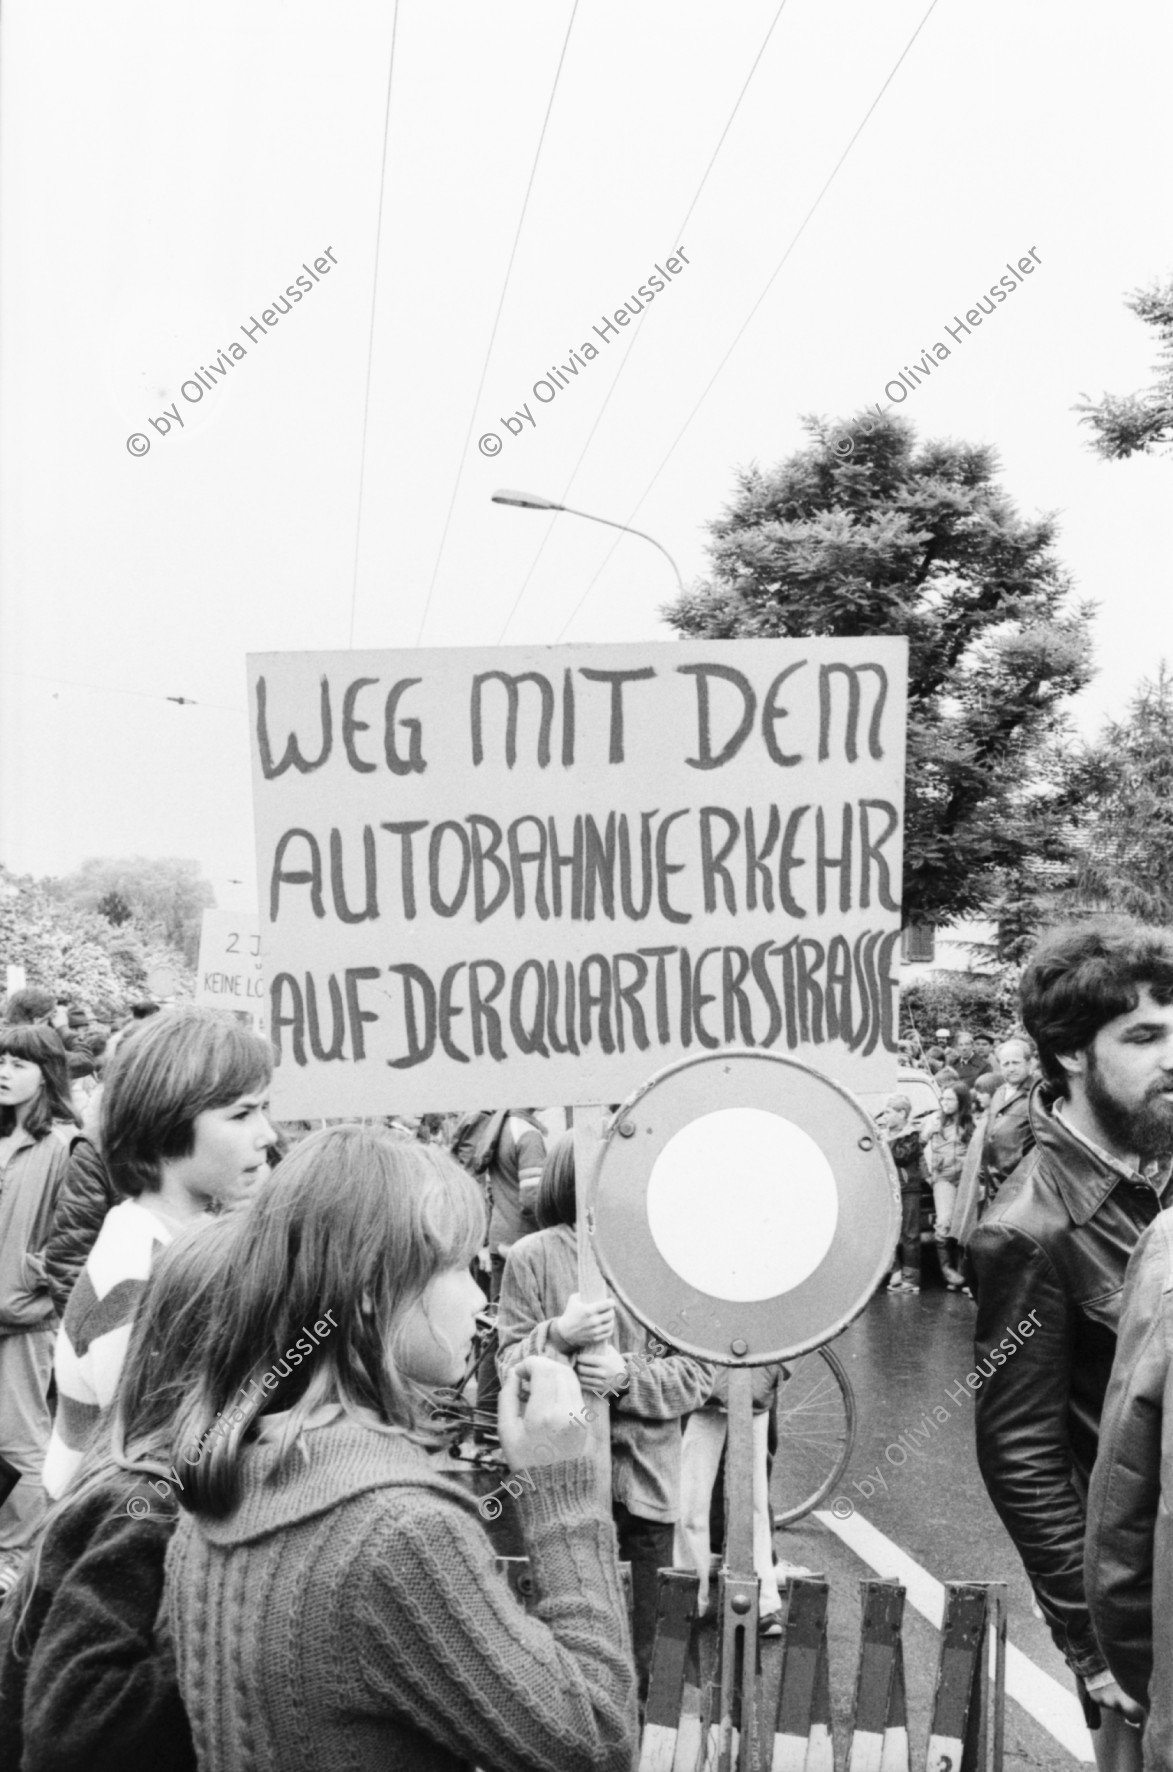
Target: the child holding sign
pixel 541 1312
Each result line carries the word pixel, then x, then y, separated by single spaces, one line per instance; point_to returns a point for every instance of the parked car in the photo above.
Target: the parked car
pixel 920 1088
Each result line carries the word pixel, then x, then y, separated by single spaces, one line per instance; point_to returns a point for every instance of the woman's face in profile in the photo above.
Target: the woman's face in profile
pixel 438 1330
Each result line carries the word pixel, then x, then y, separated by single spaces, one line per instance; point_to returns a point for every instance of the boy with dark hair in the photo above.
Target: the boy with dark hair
pixel 183 1134
pixel 1098 1000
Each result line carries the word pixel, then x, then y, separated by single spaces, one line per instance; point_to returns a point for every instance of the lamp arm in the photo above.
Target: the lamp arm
pixel 628 530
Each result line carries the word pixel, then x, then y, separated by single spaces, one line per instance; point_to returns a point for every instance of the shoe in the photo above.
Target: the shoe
pixel 903 1286
pixel 783 1570
pixel 896 1282
pixel 954 1282
pixel 770 1624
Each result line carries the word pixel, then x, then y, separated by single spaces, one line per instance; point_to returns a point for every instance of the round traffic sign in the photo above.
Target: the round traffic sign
pixel 162 981
pixel 743 1207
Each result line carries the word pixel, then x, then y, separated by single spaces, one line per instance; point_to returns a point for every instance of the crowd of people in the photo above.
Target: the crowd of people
pixel 240 1364
pixel 959 1153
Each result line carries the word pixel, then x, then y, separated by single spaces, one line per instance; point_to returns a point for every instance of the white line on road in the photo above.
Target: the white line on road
pixel 1049 1703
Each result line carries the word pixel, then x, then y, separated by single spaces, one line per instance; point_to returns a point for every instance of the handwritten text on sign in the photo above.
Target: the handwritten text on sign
pixel 538 874
pixel 230 975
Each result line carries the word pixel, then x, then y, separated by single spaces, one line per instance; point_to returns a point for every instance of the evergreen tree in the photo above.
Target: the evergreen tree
pixel 885 539
pixel 1129 424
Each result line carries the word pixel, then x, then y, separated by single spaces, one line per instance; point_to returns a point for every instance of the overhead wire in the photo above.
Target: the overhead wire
pixel 189 701
pixel 678 236
pixel 493 334
pixel 753 311
pixel 362 469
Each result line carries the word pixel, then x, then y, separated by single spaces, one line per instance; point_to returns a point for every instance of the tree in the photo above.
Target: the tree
pixel 75 951
pixel 1131 424
pixel 114 908
pixel 885 541
pixel 166 896
pixel 1124 835
pixel 955 1000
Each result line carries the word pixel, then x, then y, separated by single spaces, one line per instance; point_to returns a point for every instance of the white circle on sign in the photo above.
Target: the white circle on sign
pixel 742 1204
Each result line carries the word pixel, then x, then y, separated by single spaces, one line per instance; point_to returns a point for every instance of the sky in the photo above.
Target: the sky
pixel 165 172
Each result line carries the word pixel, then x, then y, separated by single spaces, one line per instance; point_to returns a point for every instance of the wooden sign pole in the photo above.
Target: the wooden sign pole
pixel 589 1123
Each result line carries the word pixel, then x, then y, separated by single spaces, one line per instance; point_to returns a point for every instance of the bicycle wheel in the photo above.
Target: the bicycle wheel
pixel 815 1415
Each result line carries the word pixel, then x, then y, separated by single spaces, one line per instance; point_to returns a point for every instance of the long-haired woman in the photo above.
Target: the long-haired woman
pixel 85 1684
pixel 946 1139
pixel 333 1598
pixel 541 1311
pixel 34 1104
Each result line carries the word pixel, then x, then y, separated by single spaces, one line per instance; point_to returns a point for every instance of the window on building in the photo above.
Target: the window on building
pixel 919 943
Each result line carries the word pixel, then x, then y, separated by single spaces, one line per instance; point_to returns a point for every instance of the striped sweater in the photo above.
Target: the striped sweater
pixel 93 1338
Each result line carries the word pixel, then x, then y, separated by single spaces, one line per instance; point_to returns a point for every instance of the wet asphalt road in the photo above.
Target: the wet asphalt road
pixel 905 1355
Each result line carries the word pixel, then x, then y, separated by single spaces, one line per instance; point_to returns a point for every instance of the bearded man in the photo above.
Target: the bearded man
pixel 1098 1001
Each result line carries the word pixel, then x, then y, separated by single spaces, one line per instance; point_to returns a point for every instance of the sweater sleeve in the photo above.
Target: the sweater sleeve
pixel 523 1325
pixel 660 1390
pixel 98 1695
pixel 437 1637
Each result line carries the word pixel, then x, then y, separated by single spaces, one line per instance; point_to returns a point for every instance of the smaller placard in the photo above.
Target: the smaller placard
pixel 230 975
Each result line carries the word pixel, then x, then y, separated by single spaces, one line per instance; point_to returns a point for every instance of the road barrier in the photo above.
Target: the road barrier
pixel 792 1709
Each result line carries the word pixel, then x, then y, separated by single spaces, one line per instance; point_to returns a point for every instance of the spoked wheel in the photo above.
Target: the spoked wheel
pixel 816 1431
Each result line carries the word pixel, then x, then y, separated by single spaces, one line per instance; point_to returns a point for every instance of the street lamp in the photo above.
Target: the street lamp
pixel 533 501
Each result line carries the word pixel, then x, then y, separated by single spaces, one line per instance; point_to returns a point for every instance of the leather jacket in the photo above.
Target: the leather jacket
pixel 1128 1559
pixel 85 1198
pixel 1056 1242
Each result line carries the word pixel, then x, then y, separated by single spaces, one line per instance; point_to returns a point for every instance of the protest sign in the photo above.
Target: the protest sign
pixel 541 873
pixel 230 974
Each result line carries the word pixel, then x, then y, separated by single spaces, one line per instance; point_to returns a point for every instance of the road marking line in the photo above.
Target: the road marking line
pixel 1050 1704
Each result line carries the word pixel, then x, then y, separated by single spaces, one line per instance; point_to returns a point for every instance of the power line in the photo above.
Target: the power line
pixel 362 470
pixel 188 701
pixel 753 311
pixel 677 237
pixel 496 322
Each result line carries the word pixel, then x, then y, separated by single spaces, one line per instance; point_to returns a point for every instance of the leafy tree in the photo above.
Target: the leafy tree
pixel 883 539
pixel 955 1000
pixel 73 950
pixel 1130 424
pixel 166 897
pixel 1124 834
pixel 114 908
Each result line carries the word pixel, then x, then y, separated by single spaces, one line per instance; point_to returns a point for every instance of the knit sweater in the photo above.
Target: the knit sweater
pixel 95 1333
pixel 348 1614
pixel 94 1688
